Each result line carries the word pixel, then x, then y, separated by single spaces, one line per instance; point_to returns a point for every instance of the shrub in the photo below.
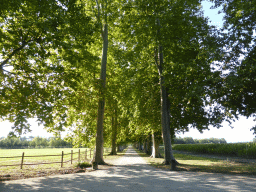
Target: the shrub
pixel 83 165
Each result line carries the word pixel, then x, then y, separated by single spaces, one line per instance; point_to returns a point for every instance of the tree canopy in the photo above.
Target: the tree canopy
pixel 237 93
pixel 44 50
pixel 61 60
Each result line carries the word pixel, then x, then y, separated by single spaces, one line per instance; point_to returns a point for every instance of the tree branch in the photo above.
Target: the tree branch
pixel 98 17
pixel 24 43
pixel 8 72
pixel 155 57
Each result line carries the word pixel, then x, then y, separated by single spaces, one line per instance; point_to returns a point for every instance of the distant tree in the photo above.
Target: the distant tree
pixel 13 143
pixel 222 140
pixel 179 140
pixel 39 142
pixel 189 140
pixel 57 143
pixel 30 138
pixel 23 138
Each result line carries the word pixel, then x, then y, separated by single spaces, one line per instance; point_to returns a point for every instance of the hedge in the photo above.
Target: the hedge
pixel 247 150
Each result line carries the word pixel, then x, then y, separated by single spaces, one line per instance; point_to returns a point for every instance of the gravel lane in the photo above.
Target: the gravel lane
pixel 131 173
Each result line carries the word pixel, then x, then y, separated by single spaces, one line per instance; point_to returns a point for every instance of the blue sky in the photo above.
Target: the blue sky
pixel 240 133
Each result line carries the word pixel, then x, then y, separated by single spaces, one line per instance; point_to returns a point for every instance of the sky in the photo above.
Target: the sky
pixel 240 133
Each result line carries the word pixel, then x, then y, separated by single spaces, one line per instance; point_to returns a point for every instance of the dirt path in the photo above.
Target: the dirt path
pixel 131 173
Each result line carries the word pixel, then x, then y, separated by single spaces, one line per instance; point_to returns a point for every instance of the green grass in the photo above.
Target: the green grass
pixel 14 172
pixel 202 164
pixel 39 152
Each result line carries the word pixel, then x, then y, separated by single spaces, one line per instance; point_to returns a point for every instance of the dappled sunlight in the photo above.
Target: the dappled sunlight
pixel 131 173
pixel 197 162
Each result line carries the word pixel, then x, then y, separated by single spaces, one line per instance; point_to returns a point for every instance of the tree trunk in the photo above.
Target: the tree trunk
pixel 119 148
pixel 165 125
pixel 149 144
pixel 145 146
pixel 165 116
pixel 155 147
pixel 141 147
pixel 98 156
pixel 114 133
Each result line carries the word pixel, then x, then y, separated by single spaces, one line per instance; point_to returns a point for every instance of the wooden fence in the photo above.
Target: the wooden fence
pixel 81 155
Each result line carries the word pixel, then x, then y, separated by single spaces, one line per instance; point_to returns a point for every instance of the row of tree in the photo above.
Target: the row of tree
pixel 167 68
pixel 190 140
pixel 36 142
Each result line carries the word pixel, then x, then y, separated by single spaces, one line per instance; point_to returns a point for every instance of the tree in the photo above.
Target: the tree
pixel 102 19
pixel 38 142
pixel 239 55
pixel 189 140
pixel 182 51
pixel 43 54
pixel 151 47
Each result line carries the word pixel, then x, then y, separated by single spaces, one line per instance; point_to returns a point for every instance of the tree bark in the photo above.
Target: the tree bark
pixel 155 147
pixel 165 116
pixel 98 156
pixel 114 133
pixel 165 124
pixel 145 146
pixel 119 148
pixel 149 144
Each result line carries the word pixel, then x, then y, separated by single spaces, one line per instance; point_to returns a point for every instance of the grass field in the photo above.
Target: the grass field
pixel 39 152
pixel 202 164
pixel 40 169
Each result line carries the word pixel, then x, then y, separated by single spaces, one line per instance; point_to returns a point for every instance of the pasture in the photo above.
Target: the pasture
pixel 32 165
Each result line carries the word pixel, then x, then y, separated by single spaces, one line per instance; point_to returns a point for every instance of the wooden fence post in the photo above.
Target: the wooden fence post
pixel 62 158
pixel 22 160
pixel 71 156
pixel 78 155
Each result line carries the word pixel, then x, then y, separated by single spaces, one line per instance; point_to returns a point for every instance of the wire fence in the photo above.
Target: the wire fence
pixel 63 158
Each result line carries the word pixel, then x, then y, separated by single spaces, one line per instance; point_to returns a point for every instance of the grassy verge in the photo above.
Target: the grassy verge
pixel 14 172
pixel 202 164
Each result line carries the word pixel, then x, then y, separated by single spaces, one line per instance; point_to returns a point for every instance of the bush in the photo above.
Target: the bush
pixel 83 165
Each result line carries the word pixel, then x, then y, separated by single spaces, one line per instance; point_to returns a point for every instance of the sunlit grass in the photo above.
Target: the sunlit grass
pixel 14 172
pixel 40 152
pixel 202 164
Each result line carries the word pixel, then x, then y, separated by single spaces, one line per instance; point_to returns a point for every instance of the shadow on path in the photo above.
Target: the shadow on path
pixel 134 176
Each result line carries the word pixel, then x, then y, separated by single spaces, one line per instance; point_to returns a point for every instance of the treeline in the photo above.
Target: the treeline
pixel 190 140
pixel 33 142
